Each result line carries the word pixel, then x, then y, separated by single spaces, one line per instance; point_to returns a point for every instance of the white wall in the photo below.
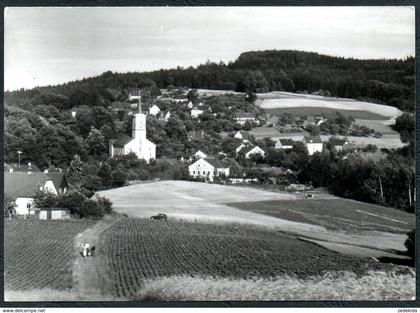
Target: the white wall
pixel 21 206
pixel 314 147
pixel 256 150
pixel 202 169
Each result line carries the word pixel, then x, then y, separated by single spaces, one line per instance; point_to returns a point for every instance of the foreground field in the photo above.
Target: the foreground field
pixel 40 254
pixel 339 286
pixel 142 249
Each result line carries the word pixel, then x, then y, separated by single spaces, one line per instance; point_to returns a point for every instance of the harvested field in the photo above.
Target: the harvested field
pixel 335 214
pixel 301 102
pixel 40 254
pixel 143 249
pixel 203 202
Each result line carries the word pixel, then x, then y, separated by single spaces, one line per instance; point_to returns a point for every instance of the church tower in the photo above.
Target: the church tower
pixel 139 124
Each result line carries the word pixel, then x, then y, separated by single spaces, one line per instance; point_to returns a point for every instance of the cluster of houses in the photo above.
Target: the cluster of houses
pixel 22 182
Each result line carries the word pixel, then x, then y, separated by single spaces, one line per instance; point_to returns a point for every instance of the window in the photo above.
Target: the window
pixel 193 172
pixel 198 172
pixel 28 205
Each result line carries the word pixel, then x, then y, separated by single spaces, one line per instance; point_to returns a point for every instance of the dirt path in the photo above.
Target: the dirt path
pixel 90 278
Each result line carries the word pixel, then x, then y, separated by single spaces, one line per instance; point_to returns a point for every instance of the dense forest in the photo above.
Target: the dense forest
pixel 388 82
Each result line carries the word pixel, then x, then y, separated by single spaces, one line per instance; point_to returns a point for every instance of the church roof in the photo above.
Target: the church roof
pixel 121 141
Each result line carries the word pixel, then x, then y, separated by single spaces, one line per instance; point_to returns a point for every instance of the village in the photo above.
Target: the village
pixel 22 181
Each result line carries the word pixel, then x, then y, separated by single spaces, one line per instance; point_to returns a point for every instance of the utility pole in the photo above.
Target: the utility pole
pixel 19 153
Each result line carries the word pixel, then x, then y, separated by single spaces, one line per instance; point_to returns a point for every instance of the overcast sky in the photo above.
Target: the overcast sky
pixel 54 45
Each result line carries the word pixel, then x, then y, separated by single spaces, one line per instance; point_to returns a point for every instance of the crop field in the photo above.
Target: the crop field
pixel 39 254
pixel 328 112
pixel 335 214
pixel 142 249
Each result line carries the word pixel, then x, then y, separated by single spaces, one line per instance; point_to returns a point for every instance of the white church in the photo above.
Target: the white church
pixel 137 143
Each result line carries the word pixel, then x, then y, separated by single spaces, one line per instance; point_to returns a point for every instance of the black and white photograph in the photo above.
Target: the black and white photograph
pixel 209 153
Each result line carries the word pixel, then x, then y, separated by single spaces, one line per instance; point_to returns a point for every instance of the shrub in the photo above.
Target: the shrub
pixel 410 243
pixel 72 200
pixel 91 208
pixel 45 199
pixel 105 204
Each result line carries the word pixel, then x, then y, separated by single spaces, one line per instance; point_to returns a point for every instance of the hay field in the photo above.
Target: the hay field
pixel 194 201
pixel 282 100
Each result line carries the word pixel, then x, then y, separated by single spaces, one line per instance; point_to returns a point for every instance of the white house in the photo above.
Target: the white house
pixel 242 135
pixel 167 116
pixel 243 117
pixel 137 143
pixel 250 150
pixel 199 155
pixel 20 188
pixel 313 144
pixel 154 110
pixel 208 169
pixel 284 144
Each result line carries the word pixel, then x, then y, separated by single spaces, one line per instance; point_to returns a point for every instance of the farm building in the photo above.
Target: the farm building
pixel 284 143
pixel 313 144
pixel 20 188
pixel 208 169
pixel 314 120
pixel 250 150
pixel 137 143
pixel 53 214
pixel 243 117
pixel 154 110
pixel 243 135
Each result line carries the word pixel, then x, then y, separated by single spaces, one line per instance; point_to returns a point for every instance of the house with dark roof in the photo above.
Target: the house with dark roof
pixel 243 135
pixel 59 180
pixel 250 150
pixel 20 188
pixel 284 143
pixel 243 117
pixel 209 168
pixel 340 144
pixel 313 144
